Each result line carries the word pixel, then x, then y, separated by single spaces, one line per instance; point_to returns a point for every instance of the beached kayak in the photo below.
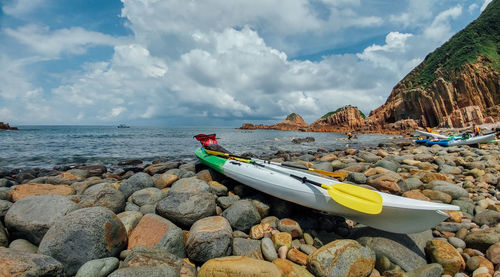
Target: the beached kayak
pixel 433 135
pixel 398 214
pixel 462 141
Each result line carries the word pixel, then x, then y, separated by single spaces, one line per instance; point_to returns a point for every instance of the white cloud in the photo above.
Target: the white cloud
pixel 440 29
pixel 19 8
pixel 220 59
pixel 52 44
pixel 485 4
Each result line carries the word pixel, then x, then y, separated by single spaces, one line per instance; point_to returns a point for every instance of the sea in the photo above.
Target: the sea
pixel 49 146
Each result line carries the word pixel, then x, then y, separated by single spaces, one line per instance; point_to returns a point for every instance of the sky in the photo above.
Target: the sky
pixel 211 62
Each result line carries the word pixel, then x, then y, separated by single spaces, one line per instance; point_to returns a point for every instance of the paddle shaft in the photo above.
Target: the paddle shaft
pixel 324 172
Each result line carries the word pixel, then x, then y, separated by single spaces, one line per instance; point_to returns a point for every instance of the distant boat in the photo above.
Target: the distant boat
pixel 122 126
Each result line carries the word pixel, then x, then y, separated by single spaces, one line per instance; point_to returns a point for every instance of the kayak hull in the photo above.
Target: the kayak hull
pixel 433 135
pixel 456 142
pixel 399 214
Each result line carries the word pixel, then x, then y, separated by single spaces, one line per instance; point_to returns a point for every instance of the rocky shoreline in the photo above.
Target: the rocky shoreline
pixel 174 218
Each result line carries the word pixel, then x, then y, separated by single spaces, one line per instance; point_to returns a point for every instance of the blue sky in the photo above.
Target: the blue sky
pixel 173 62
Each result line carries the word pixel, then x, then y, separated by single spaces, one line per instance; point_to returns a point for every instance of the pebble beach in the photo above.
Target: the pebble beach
pixel 177 218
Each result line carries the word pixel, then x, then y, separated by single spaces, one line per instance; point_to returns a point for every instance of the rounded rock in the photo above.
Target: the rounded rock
pixel 493 253
pixel 104 195
pixel 23 246
pixel 84 235
pixel 445 254
pixel 25 190
pixel 290 226
pixel 209 238
pixel 136 182
pixel 238 266
pixel 186 208
pixel 98 268
pixel 242 215
pixel 342 258
pixel 268 250
pixel 156 231
pixel 31 217
pixel 147 196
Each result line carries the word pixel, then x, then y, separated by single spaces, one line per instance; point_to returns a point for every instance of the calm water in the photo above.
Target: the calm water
pixel 47 146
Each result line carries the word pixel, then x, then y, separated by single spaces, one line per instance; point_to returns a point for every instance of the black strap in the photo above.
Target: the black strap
pixel 305 180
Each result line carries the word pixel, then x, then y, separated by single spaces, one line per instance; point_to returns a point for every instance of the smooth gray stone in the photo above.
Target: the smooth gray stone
pixel 136 182
pixel 186 208
pixel 32 216
pixel 104 195
pixel 98 268
pixel 247 247
pixel 268 250
pixel 242 215
pixel 84 235
pixel 23 245
pixel 149 271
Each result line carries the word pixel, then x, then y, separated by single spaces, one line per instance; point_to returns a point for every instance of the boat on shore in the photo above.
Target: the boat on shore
pixel 122 126
pixel 397 214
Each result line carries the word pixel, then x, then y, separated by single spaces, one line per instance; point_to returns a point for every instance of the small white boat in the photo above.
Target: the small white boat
pixel 398 215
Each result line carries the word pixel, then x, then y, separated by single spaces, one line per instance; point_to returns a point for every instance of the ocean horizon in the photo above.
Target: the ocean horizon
pixel 46 146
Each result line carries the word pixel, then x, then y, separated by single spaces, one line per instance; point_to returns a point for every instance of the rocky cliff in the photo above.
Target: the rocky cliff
pixel 6 126
pixel 456 85
pixel 292 122
pixel 347 118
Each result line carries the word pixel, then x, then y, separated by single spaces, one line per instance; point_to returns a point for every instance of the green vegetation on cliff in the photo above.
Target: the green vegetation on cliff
pixel 291 117
pixel 480 38
pixel 339 109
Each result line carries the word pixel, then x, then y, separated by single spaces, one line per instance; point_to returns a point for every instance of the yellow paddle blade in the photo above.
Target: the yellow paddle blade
pixel 356 198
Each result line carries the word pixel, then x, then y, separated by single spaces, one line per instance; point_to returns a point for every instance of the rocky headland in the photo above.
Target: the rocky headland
pixel 175 218
pixel 6 126
pixel 455 86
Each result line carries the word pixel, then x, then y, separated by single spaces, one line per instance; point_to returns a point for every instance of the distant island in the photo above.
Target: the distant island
pixel 6 126
pixel 456 85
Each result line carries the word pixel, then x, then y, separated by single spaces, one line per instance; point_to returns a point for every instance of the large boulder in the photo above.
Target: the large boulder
pixel 209 238
pixel 136 182
pixel 190 185
pixel 17 263
pixel 342 257
pixel 185 208
pixel 104 195
pixel 242 215
pixel 238 266
pixel 84 235
pixel 31 217
pixel 156 231
pixel 150 271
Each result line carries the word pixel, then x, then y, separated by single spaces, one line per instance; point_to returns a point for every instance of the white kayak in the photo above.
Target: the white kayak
pixel 463 141
pixel 398 215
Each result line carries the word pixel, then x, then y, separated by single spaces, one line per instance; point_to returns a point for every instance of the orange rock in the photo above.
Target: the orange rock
pixel 282 239
pixel 149 232
pixel 455 216
pixel 291 269
pixel 416 194
pixel 258 231
pixel 445 254
pixel 385 183
pixel 238 266
pixel 165 180
pixel 297 256
pixel 21 191
pixel 68 176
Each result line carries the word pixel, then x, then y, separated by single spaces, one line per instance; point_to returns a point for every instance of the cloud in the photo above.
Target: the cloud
pixel 53 44
pixel 440 29
pixel 485 4
pixel 219 60
pixel 21 8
